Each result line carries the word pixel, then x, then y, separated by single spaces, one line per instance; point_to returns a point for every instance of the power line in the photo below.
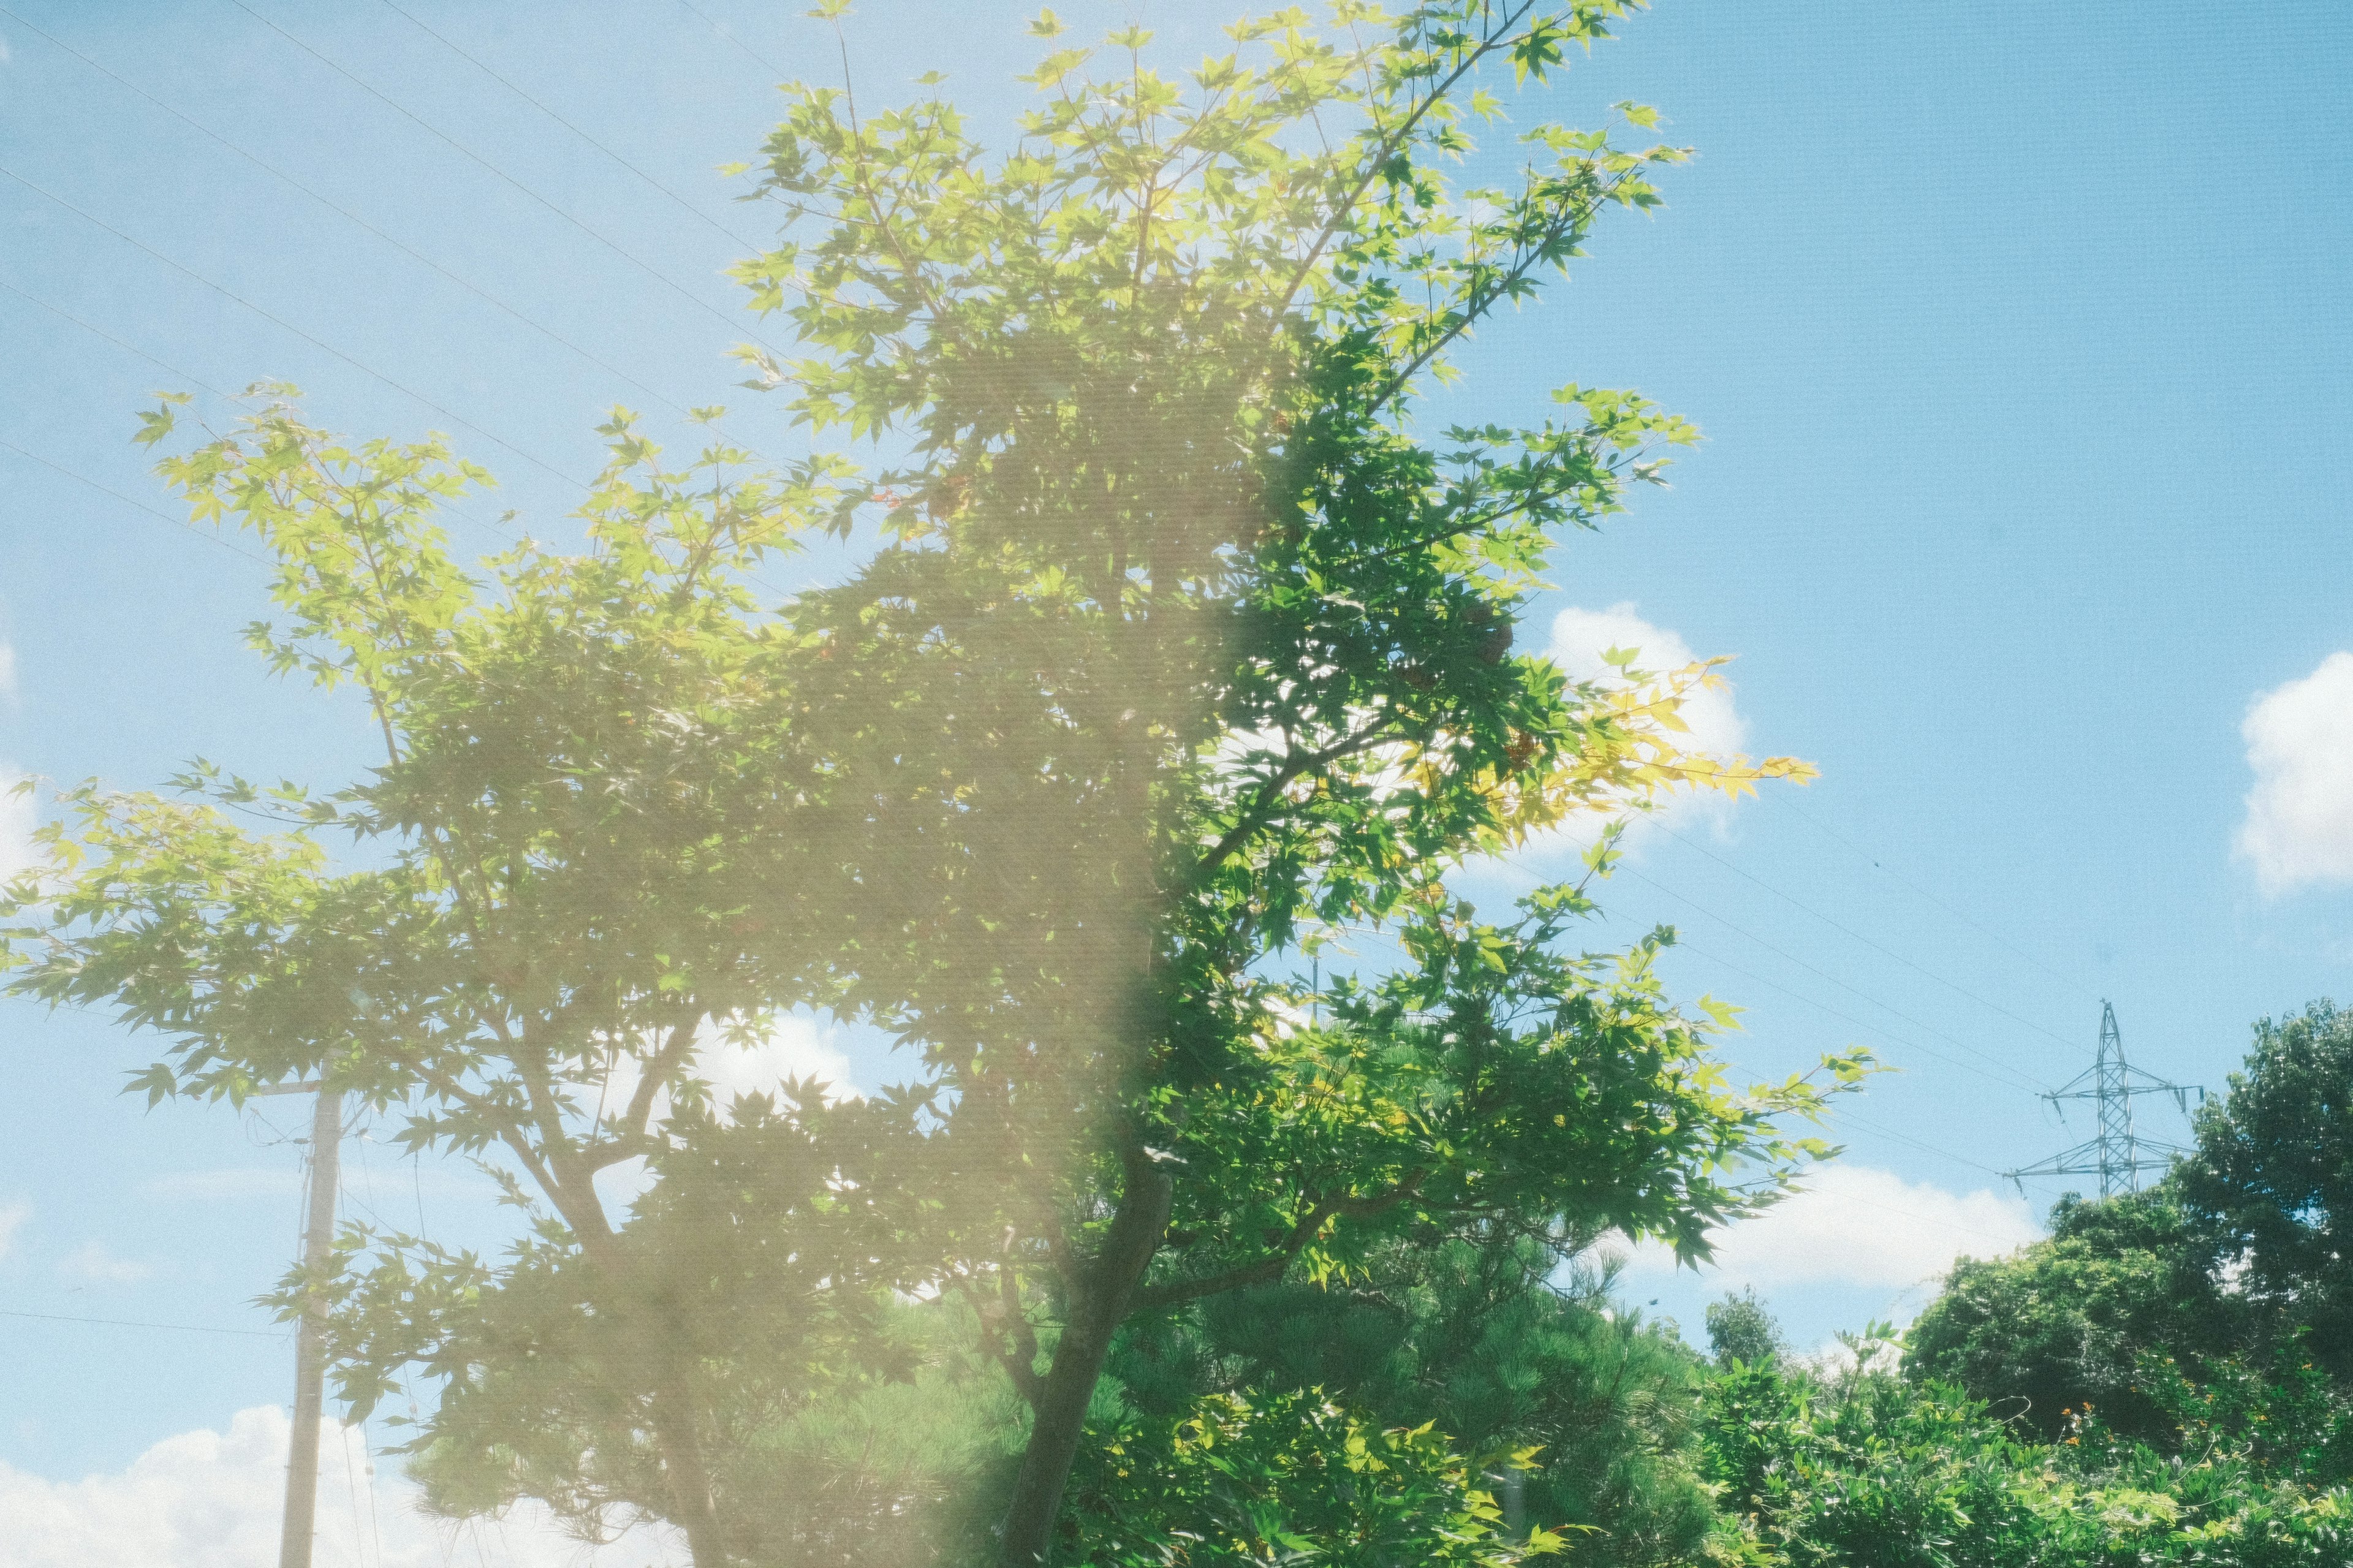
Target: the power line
pixel 1833 979
pixel 137 1323
pixel 749 53
pixel 1880 1033
pixel 128 500
pixel 1867 941
pixel 1923 893
pixel 280 322
pixel 1924 1220
pixel 194 380
pixel 129 348
pixel 646 267
pixel 477 63
pixel 1683 945
pixel 1842 1116
pixel 345 213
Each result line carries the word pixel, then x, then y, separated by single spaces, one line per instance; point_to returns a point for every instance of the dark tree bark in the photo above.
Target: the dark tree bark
pixel 1098 1303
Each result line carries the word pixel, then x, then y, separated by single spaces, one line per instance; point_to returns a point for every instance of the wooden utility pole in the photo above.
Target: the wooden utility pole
pixel 301 1527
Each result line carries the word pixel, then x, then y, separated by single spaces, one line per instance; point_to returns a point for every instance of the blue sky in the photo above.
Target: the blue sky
pixel 2019 333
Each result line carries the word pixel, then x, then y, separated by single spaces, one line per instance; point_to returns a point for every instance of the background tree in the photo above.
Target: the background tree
pixel 1506 1342
pixel 2233 1253
pixel 1740 1329
pixel 2063 1324
pixel 2271 1181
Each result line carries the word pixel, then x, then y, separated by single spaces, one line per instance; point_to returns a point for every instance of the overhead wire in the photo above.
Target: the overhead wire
pixel 1929 1028
pixel 143 1323
pixel 127 347
pixel 180 522
pixel 1842 1115
pixel 196 381
pixel 749 53
pixel 280 322
pixel 1849 931
pixel 1879 865
pixel 502 80
pixel 430 129
pixel 1880 1032
pixel 441 502
pixel 410 251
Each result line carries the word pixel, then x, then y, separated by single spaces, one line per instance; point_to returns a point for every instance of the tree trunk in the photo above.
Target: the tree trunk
pixel 1096 1312
pixel 697 1510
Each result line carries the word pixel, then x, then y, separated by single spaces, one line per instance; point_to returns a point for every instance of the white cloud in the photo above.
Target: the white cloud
pixel 92 1264
pixel 8 654
pixel 210 1500
pixel 1580 636
pixel 1858 1224
pixel 12 1216
pixel 796 1048
pixel 2299 823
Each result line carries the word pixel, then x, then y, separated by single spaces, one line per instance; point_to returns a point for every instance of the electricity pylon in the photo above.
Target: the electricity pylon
pixel 2118 1155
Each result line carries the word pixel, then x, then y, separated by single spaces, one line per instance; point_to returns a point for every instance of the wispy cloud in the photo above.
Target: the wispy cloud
pixel 92 1264
pixel 217 1187
pixel 17 820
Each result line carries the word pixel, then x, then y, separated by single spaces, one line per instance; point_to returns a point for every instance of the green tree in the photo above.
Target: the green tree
pixel 2271 1180
pixel 1740 1329
pixel 1889 1471
pixel 567 876
pixel 1505 1343
pixel 2063 1324
pixel 1185 648
pixel 1177 646
pixel 1296 1477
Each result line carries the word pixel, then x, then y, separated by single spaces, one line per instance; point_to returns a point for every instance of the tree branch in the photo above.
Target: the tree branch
pixel 1272 790
pixel 1267 1269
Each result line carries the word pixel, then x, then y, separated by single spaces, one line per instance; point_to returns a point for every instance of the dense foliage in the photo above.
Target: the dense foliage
pixel 2271 1183
pixel 2162 1381
pixel 1876 1471
pixel 2062 1326
pixel 1498 1341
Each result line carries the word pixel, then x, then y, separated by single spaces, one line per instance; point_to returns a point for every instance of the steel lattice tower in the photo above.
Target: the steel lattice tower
pixel 2118 1155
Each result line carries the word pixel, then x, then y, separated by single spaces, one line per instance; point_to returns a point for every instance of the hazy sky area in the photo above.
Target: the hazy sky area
pixel 2019 333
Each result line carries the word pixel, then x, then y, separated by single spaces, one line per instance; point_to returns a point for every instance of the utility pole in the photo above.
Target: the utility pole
pixel 301 1527
pixel 2118 1155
